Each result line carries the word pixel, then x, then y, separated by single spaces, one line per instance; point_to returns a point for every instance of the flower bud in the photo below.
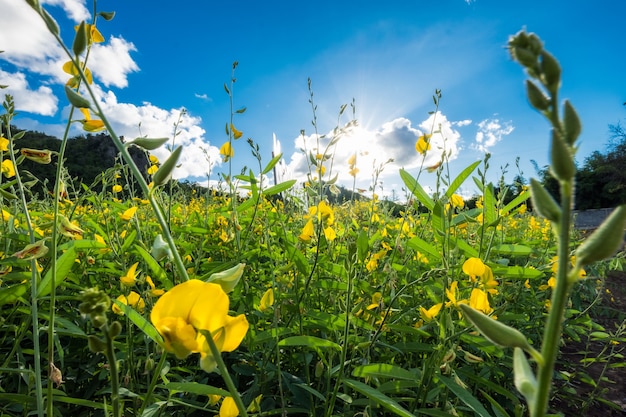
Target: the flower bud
pixel 115 329
pixel 33 251
pixel 551 71
pixel 80 40
pixel 160 249
pixel 76 99
pixel 228 279
pixel 148 144
pixel 523 377
pixel 571 123
pixel 40 156
pixel 96 345
pixel 165 171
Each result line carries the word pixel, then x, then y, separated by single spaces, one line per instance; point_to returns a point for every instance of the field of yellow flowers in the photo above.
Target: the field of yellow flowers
pixel 150 300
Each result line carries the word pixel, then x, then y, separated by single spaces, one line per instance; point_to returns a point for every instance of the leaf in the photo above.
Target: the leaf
pixel 523 196
pixel 465 396
pixel 424 247
pixel 63 266
pixel 378 397
pixel 489 204
pixel 279 188
pixel 383 370
pixel 128 241
pixel 13 293
pixel 460 179
pixel 196 388
pixel 467 249
pixel 512 250
pixel 416 189
pixel 518 272
pixel 141 322
pixel 272 164
pixel 310 342
pixel 157 271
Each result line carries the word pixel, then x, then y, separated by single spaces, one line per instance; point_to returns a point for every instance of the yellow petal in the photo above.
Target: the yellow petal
pixel 229 408
pixel 474 267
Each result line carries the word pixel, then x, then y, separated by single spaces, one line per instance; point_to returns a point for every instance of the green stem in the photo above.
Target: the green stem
pixel 153 381
pixel 217 355
pixel 554 325
pixel 115 388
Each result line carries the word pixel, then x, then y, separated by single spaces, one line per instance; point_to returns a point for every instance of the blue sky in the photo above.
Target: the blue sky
pixel 160 57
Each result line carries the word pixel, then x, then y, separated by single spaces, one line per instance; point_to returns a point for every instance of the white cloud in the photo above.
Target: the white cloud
pixel 75 9
pixel 203 97
pixel 37 101
pixel 490 132
pixel 111 62
pixel 389 147
pixel 130 120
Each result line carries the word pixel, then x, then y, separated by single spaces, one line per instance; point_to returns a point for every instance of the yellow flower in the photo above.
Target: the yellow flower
pixel 307 232
pixel 227 151
pixel 93 34
pixel 267 300
pixel 117 188
pixel 192 306
pixel 8 169
pixel 133 300
pixel 431 313
pixel 423 145
pixel 70 68
pixel 236 133
pixel 4 144
pixel 474 267
pixel 154 160
pixel 480 301
pixel 128 214
pixel 452 293
pixel 154 292
pixel 40 156
pixel 131 276
pixel 457 201
pixel 153 169
pixel 69 229
pixel 33 251
pixel 89 124
pixel 228 408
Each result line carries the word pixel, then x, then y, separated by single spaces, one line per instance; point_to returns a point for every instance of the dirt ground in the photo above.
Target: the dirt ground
pixel 608 398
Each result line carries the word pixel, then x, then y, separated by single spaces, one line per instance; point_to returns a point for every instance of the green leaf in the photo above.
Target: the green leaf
pixel 196 388
pixel 130 239
pixel 523 196
pixel 158 273
pixel 272 164
pixel 141 322
pixel 465 396
pixel 511 250
pixel 12 294
pixel 489 204
pixel 378 397
pixel 362 246
pixel 424 247
pixel 279 188
pixel 383 370
pixel 467 249
pixel 460 179
pixel 416 189
pixel 518 272
pixel 309 342
pixel 63 266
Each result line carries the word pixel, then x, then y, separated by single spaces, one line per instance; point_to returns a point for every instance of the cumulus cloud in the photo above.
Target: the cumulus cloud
pixel 111 62
pixel 490 132
pixel 40 100
pixel 75 9
pixel 380 151
pixel 131 120
pixel 203 97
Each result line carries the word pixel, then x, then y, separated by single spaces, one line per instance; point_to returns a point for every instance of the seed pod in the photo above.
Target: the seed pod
pixel 551 71
pixel 536 97
pixel 523 376
pixel 496 332
pixel 562 160
pixel 571 123
pixel 605 240
pixel 165 171
pixel 543 202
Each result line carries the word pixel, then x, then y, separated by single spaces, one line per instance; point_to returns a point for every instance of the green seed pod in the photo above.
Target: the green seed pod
pixel 80 40
pixel 543 202
pixel 148 144
pixel 165 171
pixel 562 160
pixel 536 97
pixel 496 332
pixel 96 345
pixel 605 241
pixel 523 377
pixel 551 71
pixel 76 99
pixel 571 123
pixel 115 329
